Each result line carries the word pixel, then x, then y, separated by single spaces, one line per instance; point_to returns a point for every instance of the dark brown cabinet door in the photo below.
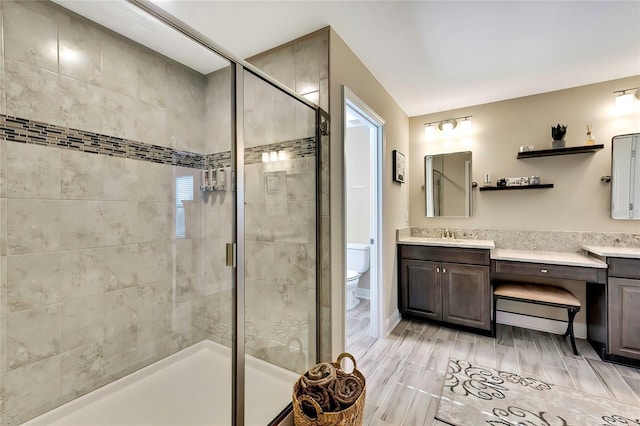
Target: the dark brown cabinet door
pixel 624 317
pixel 420 287
pixel 466 292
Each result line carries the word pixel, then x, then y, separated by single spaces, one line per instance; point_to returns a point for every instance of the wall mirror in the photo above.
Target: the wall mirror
pixel 625 177
pixel 447 184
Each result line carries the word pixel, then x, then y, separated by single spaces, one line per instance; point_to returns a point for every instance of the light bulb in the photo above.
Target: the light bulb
pixel 466 124
pixel 273 156
pixel 282 155
pixel 265 157
pixel 429 131
pixel 447 126
pixel 624 103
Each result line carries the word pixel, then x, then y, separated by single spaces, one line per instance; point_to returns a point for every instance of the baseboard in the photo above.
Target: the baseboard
pixel 363 293
pixel 391 322
pixel 540 324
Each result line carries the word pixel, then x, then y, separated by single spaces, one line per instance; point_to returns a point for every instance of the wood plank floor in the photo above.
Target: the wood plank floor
pixel 405 370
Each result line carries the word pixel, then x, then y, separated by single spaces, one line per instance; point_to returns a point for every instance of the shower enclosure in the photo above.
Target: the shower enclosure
pixel 156 195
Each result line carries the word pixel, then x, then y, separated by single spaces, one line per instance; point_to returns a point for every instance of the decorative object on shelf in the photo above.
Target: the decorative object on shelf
pixel 526 148
pixel 605 179
pixel 501 182
pixel 517 181
pixel 589 139
pixel 534 180
pixel 487 179
pixel 446 126
pixel 557 133
pixel 398 166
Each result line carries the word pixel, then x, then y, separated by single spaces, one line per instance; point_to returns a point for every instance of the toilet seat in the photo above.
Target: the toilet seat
pixel 352 275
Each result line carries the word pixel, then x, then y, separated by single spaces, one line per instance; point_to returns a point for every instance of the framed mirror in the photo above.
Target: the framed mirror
pixel 625 177
pixel 447 184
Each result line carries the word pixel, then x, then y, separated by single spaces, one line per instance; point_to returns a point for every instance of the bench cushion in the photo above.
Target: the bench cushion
pixel 536 293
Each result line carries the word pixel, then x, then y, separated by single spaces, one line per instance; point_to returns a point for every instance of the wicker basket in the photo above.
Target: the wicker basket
pixel 352 416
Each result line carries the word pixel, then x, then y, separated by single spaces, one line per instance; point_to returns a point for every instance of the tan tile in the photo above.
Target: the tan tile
pixel 31 390
pixel 82 369
pixel 81 52
pixel 119 65
pixel 80 105
pixel 3 153
pixel 33 226
pixel 32 92
pixel 33 171
pixel 83 321
pixel 30 37
pixel 33 335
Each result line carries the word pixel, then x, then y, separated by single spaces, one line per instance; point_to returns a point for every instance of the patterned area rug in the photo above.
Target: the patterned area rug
pixel 476 395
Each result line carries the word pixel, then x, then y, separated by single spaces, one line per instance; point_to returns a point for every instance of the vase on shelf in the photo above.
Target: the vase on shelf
pixel 589 139
pixel 557 133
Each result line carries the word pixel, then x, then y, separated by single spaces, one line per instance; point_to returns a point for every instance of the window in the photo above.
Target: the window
pixel 184 192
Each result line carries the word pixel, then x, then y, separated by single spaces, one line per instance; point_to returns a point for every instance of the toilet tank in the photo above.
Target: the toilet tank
pixel 358 257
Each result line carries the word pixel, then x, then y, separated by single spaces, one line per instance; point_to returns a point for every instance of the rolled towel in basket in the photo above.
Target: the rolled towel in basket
pixel 320 395
pixel 320 375
pixel 345 390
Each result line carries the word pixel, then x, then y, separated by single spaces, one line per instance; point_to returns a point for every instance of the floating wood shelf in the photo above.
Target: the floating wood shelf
pixel 560 151
pixel 501 188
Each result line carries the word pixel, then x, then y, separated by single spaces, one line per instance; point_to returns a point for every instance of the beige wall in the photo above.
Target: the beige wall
pixel 346 69
pixel 578 202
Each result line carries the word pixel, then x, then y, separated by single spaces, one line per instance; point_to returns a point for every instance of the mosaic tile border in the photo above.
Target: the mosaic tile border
pixel 298 148
pixel 22 130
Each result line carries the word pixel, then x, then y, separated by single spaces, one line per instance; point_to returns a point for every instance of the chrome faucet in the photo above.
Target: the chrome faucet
pixel 448 234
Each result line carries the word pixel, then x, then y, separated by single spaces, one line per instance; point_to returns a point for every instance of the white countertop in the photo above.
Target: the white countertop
pixel 447 242
pixel 609 251
pixel 549 257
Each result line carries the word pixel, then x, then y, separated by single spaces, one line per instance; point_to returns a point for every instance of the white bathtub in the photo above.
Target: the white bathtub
pixel 189 388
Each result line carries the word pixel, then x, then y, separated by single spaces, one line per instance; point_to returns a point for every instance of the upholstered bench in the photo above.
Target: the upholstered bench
pixel 541 295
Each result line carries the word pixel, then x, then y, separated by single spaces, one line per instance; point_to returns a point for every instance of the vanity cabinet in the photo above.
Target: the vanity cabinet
pixel 449 285
pixel 623 300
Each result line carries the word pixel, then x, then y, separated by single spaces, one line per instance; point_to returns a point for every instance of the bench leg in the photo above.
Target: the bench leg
pixel 572 314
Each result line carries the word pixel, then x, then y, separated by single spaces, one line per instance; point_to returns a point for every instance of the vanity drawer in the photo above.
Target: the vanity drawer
pixel 577 273
pixel 624 268
pixel 444 254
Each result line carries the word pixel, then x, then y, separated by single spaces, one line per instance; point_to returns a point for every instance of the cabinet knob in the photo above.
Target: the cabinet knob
pixel 438 269
pixel 544 271
pixel 444 270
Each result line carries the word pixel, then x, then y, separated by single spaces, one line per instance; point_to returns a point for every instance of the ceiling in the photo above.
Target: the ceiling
pixel 436 55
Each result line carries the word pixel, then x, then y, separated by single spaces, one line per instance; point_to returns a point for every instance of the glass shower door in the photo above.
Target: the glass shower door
pixel 279 227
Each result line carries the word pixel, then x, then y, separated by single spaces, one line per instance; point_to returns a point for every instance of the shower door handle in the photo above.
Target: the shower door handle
pixel 231 254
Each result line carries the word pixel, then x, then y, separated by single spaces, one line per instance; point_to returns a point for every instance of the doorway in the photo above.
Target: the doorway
pixel 363 143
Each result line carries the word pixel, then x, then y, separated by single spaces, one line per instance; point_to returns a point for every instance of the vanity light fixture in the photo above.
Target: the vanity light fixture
pixel 265 157
pixel 626 99
pixel 447 126
pixel 273 156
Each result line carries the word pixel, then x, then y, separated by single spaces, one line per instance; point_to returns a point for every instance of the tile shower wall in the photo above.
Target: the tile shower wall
pixel 63 70
pixel 93 282
pixel 303 66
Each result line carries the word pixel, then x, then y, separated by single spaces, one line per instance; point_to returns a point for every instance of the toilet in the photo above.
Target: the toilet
pixel 357 264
